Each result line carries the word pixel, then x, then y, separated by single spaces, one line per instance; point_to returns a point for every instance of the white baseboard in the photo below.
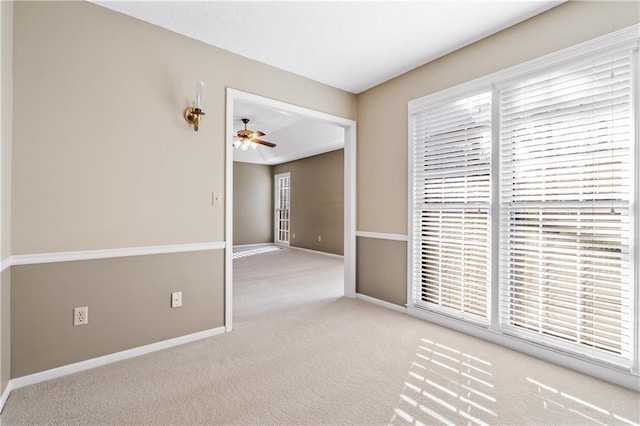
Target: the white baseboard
pixel 317 252
pixel 381 303
pixel 5 395
pixel 111 358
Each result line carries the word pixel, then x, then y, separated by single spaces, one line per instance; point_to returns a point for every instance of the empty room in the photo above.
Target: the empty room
pixel 312 212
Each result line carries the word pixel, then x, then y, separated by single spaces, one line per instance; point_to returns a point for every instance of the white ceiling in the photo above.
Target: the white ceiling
pixel 351 45
pixel 295 136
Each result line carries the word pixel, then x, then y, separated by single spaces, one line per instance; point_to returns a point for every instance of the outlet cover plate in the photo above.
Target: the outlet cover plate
pixel 81 315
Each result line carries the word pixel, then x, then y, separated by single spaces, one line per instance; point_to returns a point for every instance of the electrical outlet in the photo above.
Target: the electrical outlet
pixel 294 235
pixel 176 299
pixel 81 316
pixel 319 238
pixel 217 198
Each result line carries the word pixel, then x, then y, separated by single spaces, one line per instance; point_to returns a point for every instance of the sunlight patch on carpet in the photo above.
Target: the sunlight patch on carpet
pixel 448 386
pixel 257 250
pixel 554 399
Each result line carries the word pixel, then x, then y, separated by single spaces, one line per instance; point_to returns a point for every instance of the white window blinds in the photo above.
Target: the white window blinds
pixel 565 191
pixel 451 195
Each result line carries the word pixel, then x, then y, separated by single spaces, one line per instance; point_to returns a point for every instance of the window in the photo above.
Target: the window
pixel 452 164
pixel 565 189
pixel 522 203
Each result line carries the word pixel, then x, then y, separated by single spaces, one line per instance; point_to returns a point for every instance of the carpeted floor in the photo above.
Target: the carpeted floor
pixel 302 354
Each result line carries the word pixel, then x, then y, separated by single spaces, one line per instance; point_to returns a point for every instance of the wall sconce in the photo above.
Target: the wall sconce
pixel 194 115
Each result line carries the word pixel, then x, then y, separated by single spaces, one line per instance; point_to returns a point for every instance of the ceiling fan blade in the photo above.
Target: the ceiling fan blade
pixel 257 134
pixel 265 143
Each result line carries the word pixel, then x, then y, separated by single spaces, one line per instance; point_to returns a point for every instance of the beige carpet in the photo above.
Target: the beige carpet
pixel 302 354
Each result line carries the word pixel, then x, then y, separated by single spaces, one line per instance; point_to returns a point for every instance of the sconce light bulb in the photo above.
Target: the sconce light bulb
pixel 254 145
pixel 244 147
pixel 199 88
pixel 236 143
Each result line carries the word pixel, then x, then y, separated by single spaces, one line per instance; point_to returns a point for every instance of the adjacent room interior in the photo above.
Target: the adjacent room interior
pixel 310 211
pixel 288 187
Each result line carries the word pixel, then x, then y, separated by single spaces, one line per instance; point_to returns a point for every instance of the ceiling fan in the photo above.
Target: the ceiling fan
pixel 248 138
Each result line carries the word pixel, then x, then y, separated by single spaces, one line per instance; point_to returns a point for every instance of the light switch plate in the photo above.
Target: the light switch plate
pixel 176 299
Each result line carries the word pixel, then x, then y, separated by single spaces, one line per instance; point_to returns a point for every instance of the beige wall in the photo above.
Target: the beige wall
pixel 104 154
pixel 382 111
pixel 129 301
pixel 381 266
pixel 252 203
pixel 317 201
pixel 6 108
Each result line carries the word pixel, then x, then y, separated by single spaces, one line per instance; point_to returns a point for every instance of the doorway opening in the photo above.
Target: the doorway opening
pixel 348 127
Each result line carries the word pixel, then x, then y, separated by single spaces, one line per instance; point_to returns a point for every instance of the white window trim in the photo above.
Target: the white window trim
pixel 629 378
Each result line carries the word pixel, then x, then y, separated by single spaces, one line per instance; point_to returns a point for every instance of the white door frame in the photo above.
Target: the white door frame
pixel 276 202
pixel 349 191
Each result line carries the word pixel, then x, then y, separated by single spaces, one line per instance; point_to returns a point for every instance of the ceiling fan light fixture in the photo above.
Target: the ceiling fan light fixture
pixel 246 138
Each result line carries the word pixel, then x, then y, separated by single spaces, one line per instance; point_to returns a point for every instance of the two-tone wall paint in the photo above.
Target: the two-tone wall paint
pixel 103 159
pixel 382 173
pixel 317 202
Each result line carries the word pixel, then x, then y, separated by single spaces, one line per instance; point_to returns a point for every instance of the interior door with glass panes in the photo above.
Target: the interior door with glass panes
pixel 282 208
